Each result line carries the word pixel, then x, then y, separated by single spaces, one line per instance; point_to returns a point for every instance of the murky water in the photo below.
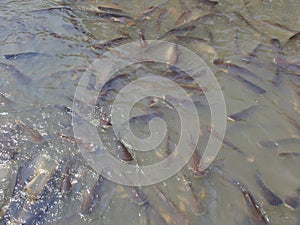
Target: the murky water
pixel 46 47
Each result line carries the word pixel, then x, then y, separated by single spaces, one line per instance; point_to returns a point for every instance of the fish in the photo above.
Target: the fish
pixel 293 37
pixel 92 82
pixel 196 206
pixel 278 51
pixel 35 135
pixel 244 20
pixel 115 8
pixel 91 198
pixel 23 55
pixel 142 39
pixel 250 85
pixel 66 184
pixel 254 53
pixel 148 12
pixel 190 39
pixel 177 31
pixel 274 144
pixel 285 65
pixel 234 69
pixel 257 213
pixel 293 200
pixel 44 169
pixel 194 165
pixel 172 56
pixel 271 198
pixel 111 43
pixel 209 2
pixel 123 153
pixel 242 115
pixel 167 208
pixel 289 154
pixel 275 24
pixel 161 16
pixel 137 195
pixel 230 144
pixel 4 101
pixel 183 17
pixel 15 73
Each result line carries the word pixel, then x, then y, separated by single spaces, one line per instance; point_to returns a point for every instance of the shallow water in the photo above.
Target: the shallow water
pixel 62 40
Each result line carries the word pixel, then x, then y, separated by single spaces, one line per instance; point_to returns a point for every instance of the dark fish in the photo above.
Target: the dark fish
pixel 194 165
pixel 289 154
pixel 244 20
pixel 35 135
pixel 17 74
pixel 92 82
pixel 190 39
pixel 145 117
pixel 91 198
pixel 288 66
pixel 250 85
pixel 209 3
pixel 295 36
pixel 111 43
pixel 266 192
pixel 66 185
pixel 242 115
pixel 254 53
pixel 23 55
pixel 229 143
pixel 61 8
pixel 183 17
pixel 110 9
pixel 197 206
pixel 137 195
pixel 112 16
pixel 172 56
pixel 177 31
pixel 278 25
pixel 123 153
pixel 161 16
pixel 278 142
pixel 278 51
pixel 234 69
pixel 148 12
pixel 142 39
pixel 293 200
pixel 258 214
pixel 4 101
pixel 167 209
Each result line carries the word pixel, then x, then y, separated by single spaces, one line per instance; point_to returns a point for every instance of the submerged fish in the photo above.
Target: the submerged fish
pixel 111 43
pixel 162 15
pixel 197 206
pixel 177 31
pixel 148 12
pixel 250 85
pixel 15 73
pixel 234 69
pixel 123 153
pixel 183 17
pixel 92 197
pixel 35 135
pixel 23 55
pixel 293 200
pixel 137 195
pixel 266 192
pixel 242 115
pixel 257 213
pixel 274 144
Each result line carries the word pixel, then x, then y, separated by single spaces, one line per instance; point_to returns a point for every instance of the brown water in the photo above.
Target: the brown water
pixel 63 38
